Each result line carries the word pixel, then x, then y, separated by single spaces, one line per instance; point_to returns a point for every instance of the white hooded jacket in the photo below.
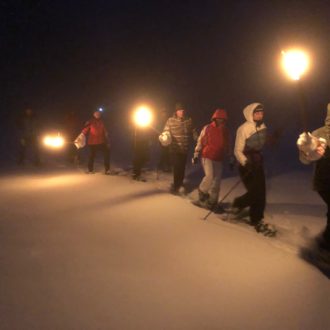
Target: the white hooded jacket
pixel 249 136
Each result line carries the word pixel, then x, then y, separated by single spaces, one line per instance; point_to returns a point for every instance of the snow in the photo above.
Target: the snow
pixel 104 252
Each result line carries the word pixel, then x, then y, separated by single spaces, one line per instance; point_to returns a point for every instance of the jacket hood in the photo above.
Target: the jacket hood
pixel 248 111
pixel 220 114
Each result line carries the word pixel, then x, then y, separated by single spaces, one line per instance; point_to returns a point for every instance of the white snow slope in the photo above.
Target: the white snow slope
pixel 103 252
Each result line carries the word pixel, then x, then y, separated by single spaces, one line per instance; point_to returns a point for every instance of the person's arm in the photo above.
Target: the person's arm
pixel 167 127
pixel 239 146
pixel 199 144
pixel 86 128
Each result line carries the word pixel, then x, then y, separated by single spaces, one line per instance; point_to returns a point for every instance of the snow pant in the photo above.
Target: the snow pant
pixel 325 195
pixel 255 197
pixel 211 182
pixel 140 157
pixel 31 144
pixel 179 161
pixel 93 148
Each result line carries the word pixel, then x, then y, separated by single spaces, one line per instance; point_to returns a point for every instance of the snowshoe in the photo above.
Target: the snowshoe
pixel 138 178
pixel 215 208
pixel 266 229
pixel 235 214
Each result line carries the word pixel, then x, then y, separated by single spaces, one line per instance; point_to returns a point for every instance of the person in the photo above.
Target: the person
pixel 181 130
pixel 213 145
pixel 140 151
pixel 97 141
pixel 315 148
pixel 28 131
pixel 250 140
pixel 71 129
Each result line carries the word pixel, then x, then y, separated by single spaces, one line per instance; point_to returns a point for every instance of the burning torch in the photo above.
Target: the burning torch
pixel 54 141
pixel 295 63
pixel 142 117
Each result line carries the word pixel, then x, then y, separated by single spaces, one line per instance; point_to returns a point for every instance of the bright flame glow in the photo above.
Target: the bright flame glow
pixel 55 142
pixel 143 116
pixel 295 62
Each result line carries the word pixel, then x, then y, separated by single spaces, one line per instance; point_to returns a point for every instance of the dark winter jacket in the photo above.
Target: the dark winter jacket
pixel 97 133
pixel 181 130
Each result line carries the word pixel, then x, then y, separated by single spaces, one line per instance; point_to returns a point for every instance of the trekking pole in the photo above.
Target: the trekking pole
pixel 223 198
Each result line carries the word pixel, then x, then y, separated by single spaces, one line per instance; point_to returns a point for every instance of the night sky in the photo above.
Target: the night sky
pixel 59 56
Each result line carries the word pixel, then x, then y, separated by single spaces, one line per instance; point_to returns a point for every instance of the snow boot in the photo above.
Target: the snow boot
pixel 203 197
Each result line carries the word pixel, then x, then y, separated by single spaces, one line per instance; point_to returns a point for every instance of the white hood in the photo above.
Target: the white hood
pixel 248 111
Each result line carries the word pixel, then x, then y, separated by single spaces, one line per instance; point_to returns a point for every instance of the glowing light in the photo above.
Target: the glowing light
pixel 295 63
pixel 143 116
pixel 52 141
pixel 101 109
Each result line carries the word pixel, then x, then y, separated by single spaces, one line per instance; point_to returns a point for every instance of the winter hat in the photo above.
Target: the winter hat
pixel 219 114
pixel 179 106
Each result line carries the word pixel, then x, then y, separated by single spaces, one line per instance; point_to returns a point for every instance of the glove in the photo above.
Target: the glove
pixel 194 160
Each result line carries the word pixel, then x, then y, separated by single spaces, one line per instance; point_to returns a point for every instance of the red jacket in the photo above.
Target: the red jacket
pixel 96 130
pixel 213 142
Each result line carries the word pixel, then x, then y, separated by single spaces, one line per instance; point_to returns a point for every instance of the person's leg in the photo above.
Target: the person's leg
pixel 92 153
pixel 182 169
pixel 175 165
pixel 243 201
pixel 257 196
pixel 215 183
pixel 179 165
pixel 206 182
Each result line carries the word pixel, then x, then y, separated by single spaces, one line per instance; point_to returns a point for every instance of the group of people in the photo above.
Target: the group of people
pixel 212 147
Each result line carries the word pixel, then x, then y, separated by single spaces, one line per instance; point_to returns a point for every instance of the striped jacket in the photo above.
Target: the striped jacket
pixel 181 130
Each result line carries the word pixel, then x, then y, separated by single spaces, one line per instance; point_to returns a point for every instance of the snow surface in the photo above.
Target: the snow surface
pixel 104 252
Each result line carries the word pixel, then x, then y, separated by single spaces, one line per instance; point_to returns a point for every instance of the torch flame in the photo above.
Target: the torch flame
pixel 54 141
pixel 295 63
pixel 143 116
